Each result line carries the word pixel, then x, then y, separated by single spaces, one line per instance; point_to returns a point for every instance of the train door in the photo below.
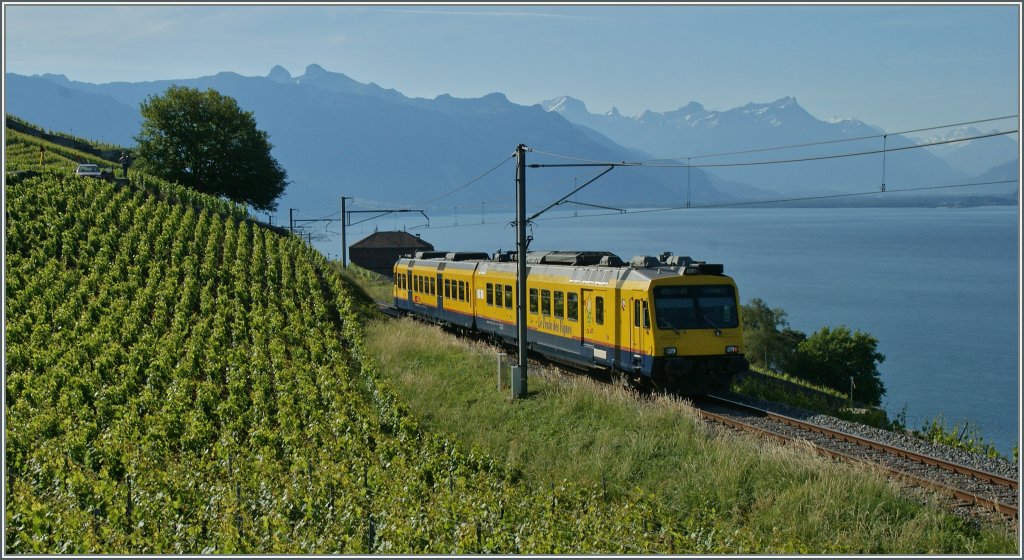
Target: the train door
pixel 440 290
pixel 589 328
pixel 639 327
pixel 408 285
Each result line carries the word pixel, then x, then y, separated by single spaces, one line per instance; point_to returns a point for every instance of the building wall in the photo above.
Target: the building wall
pixel 380 261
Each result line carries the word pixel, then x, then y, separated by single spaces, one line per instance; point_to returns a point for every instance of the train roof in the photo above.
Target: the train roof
pixel 555 262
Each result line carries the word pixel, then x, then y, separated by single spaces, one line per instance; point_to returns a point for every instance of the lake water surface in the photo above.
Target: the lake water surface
pixel 938 287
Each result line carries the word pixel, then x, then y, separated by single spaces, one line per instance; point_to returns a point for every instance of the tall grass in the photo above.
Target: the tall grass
pixel 765 497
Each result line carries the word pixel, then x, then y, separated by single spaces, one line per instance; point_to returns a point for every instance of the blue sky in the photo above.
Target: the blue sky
pixel 897 67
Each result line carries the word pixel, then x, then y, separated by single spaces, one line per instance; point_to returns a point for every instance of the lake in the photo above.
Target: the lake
pixel 938 287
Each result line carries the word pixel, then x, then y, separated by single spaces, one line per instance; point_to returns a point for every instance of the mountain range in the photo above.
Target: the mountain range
pixel 720 139
pixel 338 137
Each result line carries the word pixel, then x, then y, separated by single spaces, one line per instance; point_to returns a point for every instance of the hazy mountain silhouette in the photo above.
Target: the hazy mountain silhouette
pixel 704 136
pixel 337 136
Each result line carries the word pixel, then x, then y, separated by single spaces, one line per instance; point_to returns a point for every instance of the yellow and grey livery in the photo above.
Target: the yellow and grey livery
pixel 671 322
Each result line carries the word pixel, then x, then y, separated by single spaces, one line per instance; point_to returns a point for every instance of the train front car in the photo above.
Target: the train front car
pixel 697 330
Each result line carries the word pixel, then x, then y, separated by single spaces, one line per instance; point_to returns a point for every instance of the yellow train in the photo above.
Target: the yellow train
pixel 667 322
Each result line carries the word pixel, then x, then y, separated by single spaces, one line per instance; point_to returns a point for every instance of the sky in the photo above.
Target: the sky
pixel 898 67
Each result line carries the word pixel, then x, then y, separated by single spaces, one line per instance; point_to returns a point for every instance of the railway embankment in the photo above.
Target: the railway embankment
pixel 587 431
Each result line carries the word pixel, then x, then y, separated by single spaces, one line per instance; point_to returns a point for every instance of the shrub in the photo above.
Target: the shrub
pixel 837 357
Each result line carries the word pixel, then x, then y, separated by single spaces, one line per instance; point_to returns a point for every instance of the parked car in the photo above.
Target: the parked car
pixel 88 170
pixel 93 170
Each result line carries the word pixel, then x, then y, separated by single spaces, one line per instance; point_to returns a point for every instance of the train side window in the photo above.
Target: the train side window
pixel 599 310
pixel 533 300
pixel 559 304
pixel 636 313
pixel 545 302
pixel 447 288
pixel 572 309
pixel 462 291
pixel 647 316
pixel 497 295
pixel 508 296
pixel 490 294
pixel 433 286
pixel 416 283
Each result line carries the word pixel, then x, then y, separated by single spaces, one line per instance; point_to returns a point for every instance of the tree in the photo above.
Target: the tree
pixel 765 343
pixel 203 140
pixel 831 357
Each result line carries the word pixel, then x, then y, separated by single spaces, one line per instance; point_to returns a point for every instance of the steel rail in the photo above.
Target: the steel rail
pixel 879 446
pixel 966 496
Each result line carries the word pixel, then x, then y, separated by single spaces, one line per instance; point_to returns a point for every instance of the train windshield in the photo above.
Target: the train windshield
pixel 695 307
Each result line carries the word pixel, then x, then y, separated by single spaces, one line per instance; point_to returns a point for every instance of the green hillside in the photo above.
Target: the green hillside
pixel 183 380
pixel 180 380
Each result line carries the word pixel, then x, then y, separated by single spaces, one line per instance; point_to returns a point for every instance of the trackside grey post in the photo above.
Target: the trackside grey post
pixel 518 382
pixel 501 360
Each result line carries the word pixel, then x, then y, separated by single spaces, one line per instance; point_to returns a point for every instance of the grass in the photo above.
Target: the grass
pixel 763 497
pixel 369 284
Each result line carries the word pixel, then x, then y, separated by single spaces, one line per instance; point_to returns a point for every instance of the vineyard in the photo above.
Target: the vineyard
pixel 180 380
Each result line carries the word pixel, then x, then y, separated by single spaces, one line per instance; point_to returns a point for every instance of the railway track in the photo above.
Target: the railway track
pixel 970 487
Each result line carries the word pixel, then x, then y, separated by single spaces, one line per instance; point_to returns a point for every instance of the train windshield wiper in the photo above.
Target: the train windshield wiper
pixel 718 330
pixel 665 323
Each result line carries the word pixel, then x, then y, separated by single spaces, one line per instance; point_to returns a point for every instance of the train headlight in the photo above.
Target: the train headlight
pixel 670 350
pixel 732 349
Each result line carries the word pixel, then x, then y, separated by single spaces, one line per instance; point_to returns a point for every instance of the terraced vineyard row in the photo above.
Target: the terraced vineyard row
pixel 179 380
pixel 23 153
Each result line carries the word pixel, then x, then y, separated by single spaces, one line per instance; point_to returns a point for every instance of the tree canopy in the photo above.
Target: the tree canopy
pixel 832 357
pixel 769 340
pixel 829 357
pixel 203 140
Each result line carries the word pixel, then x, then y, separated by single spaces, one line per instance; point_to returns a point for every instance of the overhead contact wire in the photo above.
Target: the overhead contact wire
pixel 481 176
pixel 837 141
pixel 835 156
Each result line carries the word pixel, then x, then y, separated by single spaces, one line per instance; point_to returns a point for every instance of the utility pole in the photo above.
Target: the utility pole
pixel 519 374
pixel 291 220
pixel 344 251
